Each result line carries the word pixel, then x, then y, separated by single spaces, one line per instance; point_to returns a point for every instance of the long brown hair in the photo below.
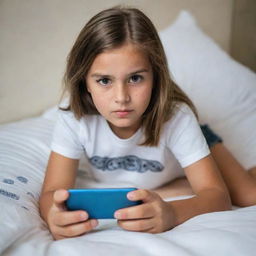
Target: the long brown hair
pixel 109 29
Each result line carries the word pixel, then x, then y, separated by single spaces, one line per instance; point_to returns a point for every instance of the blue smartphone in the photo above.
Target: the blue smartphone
pixel 100 203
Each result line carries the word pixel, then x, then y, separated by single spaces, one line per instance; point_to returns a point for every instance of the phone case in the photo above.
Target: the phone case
pixel 100 203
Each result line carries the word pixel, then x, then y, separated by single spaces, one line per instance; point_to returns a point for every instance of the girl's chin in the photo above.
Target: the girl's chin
pixel 123 124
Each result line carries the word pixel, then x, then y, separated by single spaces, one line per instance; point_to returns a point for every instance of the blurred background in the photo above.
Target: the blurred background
pixel 36 36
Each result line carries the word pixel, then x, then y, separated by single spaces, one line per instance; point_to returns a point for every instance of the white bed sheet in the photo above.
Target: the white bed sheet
pixel 24 151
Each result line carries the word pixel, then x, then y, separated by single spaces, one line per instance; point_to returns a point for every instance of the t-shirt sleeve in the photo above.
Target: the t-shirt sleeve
pixel 186 140
pixel 65 139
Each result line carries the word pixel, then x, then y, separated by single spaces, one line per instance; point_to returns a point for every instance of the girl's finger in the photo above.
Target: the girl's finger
pixel 142 211
pixel 76 229
pixel 68 218
pixel 141 194
pixel 59 197
pixel 142 225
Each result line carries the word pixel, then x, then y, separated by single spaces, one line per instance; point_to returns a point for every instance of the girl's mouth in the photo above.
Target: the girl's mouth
pixel 122 113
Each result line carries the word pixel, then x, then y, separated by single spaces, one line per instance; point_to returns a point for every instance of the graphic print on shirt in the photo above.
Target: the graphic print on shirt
pixel 127 163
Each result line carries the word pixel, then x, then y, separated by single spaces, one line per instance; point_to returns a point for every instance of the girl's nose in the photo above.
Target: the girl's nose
pixel 122 94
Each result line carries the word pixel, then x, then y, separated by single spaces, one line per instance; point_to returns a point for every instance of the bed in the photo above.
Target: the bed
pixel 224 93
pixel 24 152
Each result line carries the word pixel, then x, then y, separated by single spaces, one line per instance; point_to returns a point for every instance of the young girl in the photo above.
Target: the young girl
pixel 135 127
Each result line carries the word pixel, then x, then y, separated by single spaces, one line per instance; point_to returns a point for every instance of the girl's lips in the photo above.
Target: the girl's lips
pixel 123 113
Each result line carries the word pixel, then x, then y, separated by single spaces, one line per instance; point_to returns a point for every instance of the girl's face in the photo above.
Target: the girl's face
pixel 120 82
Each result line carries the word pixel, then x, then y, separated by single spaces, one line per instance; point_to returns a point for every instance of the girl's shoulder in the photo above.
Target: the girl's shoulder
pixel 83 128
pixel 68 118
pixel 181 119
pixel 181 112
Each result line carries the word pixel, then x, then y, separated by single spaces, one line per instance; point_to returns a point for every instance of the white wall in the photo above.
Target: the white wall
pixel 36 36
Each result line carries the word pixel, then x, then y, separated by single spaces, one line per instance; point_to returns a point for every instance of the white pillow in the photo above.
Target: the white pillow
pixel 223 90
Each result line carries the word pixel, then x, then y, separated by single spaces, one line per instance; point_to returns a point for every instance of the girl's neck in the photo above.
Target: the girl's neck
pixel 124 132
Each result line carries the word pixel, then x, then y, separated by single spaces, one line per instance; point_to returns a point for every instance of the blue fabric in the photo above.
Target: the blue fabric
pixel 211 137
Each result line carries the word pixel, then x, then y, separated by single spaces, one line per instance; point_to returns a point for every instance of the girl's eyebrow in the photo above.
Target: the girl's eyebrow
pixel 132 73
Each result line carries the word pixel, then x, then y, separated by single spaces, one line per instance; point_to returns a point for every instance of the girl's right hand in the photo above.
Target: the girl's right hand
pixel 65 224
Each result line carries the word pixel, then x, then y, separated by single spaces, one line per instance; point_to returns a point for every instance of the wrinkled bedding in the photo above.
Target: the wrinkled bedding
pixel 24 151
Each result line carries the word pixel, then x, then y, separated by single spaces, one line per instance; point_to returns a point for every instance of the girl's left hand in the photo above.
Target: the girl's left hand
pixel 153 216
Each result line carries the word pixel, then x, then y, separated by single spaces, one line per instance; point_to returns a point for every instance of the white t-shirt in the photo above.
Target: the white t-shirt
pixel 115 162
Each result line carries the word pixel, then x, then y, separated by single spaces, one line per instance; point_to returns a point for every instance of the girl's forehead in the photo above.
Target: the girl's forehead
pixel 127 56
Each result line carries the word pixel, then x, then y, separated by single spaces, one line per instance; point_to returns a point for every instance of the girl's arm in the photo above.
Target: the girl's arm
pixel 156 215
pixel 210 191
pixel 174 188
pixel 60 176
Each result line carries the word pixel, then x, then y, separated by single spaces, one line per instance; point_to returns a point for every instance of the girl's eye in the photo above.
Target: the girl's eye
pixel 103 81
pixel 135 79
